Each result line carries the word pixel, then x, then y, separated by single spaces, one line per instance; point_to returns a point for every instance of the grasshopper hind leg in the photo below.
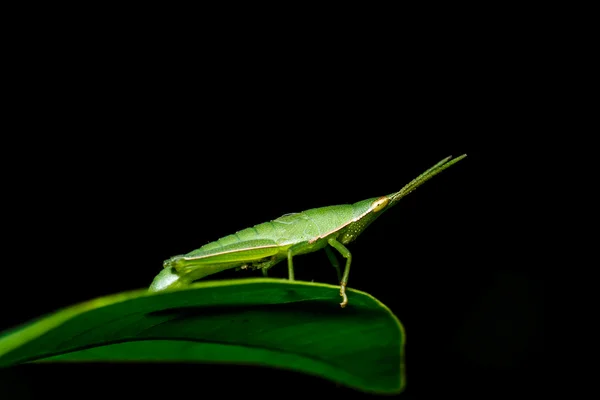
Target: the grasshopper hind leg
pixel 264 265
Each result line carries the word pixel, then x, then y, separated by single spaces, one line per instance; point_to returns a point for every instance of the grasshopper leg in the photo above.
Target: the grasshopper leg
pixel 290 265
pixel 346 254
pixel 334 261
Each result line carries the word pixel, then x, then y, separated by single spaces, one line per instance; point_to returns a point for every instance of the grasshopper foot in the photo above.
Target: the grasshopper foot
pixel 344 296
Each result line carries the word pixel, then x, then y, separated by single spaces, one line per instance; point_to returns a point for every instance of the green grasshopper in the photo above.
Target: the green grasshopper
pixel 264 245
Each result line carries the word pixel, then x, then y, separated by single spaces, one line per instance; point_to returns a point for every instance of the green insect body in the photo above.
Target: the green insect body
pixel 264 245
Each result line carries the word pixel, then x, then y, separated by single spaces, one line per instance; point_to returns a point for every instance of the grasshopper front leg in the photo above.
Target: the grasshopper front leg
pixel 346 254
pixel 334 262
pixel 341 249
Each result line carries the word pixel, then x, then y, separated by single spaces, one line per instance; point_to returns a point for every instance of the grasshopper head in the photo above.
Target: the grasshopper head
pixel 365 212
pixel 369 210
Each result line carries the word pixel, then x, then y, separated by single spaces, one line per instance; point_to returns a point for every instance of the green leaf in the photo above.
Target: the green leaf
pixel 277 323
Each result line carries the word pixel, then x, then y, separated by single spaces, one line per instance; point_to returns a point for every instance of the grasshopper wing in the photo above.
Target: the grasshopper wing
pixel 248 250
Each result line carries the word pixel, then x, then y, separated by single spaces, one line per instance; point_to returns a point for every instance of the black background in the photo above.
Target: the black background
pixel 133 150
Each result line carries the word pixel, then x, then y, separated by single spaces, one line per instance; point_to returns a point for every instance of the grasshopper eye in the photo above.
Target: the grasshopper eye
pixel 379 204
